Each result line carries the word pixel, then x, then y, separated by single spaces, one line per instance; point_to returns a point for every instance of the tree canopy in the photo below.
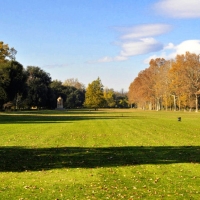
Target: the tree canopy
pixel 4 82
pixel 17 80
pixel 168 84
pixel 74 83
pixel 33 87
pixel 94 94
pixel 165 84
pixel 37 86
pixel 6 52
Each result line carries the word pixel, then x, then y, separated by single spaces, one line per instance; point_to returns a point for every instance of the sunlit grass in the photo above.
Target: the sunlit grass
pixel 105 154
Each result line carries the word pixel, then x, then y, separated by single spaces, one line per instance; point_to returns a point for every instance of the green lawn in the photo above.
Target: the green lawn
pixel 105 154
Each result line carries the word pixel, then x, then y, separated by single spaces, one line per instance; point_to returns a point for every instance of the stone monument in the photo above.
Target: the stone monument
pixel 59 103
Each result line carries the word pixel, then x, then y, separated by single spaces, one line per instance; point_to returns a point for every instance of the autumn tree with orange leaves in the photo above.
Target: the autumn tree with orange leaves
pixel 168 84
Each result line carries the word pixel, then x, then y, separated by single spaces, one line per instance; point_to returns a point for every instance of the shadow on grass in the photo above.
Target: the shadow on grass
pixel 19 159
pixel 24 119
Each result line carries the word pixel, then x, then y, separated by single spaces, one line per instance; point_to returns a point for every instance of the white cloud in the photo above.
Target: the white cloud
pixel 147 30
pixel 137 40
pixel 179 8
pixel 169 46
pixel 192 46
pixel 141 46
pixel 170 51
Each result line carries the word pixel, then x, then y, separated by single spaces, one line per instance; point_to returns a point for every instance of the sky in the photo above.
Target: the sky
pixel 110 39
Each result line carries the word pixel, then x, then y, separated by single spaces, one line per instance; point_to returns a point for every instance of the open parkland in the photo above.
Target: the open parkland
pixel 104 154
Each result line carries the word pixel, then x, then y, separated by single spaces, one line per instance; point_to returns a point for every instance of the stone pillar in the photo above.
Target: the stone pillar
pixel 59 103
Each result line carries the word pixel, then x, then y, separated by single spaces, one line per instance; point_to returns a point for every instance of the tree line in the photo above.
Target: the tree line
pixel 32 87
pixel 168 84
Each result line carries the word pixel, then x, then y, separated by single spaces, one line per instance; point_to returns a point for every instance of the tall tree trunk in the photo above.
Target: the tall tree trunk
pixel 196 96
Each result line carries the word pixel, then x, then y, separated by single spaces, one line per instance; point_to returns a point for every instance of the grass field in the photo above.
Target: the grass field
pixel 105 154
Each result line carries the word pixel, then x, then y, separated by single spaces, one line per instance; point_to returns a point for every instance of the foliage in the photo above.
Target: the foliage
pixel 12 82
pixel 74 83
pixel 168 84
pixel 4 82
pixel 18 77
pixel 6 52
pixel 72 97
pixel 94 95
pixel 56 90
pixel 38 83
pixel 109 97
pixel 57 87
pixel 121 100
pixel 165 84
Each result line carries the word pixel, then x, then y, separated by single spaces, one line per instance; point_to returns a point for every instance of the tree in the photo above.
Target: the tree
pixel 150 87
pixel 12 73
pixel 4 82
pixel 72 97
pixel 185 80
pixel 12 53
pixel 164 83
pixel 56 90
pixel 79 97
pixel 17 84
pixel 177 82
pixel 94 95
pixel 156 79
pixel 38 83
pixel 134 91
pixel 74 83
pixel 141 90
pixel 192 75
pixel 109 97
pixel 6 52
pixel 121 99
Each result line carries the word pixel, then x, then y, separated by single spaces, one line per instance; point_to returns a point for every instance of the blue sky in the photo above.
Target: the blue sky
pixel 87 39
